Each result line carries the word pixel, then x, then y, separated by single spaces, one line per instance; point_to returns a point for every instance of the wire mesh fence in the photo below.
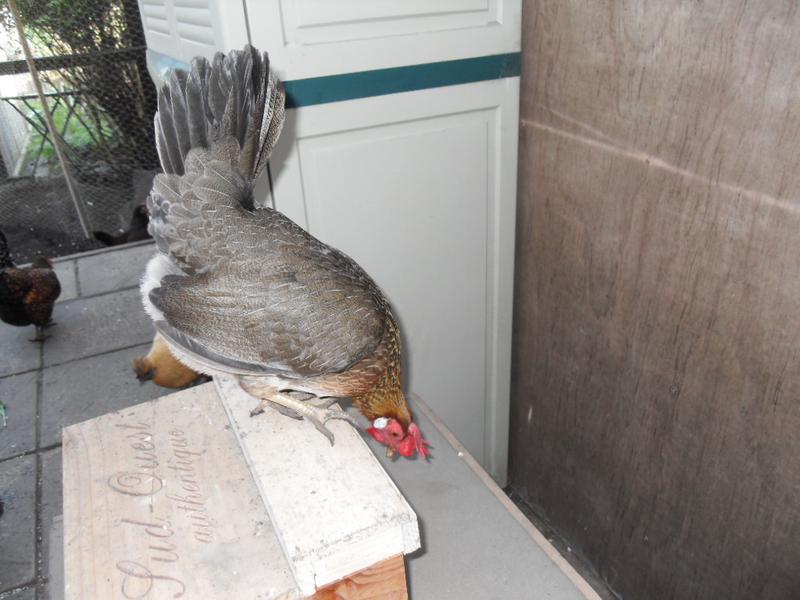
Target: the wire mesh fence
pixel 89 57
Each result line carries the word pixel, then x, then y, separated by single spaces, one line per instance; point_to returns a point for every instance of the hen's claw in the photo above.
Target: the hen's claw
pixel 313 409
pixel 320 416
pixel 275 406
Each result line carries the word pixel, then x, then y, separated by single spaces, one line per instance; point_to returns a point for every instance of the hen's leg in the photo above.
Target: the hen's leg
pixel 40 336
pixel 299 405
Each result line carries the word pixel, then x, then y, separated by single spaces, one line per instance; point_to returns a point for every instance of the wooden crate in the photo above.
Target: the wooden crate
pixel 189 497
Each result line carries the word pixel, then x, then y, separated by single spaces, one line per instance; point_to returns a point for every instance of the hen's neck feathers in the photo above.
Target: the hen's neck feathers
pixel 386 398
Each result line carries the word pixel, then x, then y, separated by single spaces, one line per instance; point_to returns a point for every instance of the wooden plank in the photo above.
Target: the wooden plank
pixel 50 63
pixel 657 312
pixel 335 510
pixel 383 581
pixel 158 503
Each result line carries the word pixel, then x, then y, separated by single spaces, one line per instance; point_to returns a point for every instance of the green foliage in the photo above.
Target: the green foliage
pixel 76 126
pixel 109 71
pixel 71 26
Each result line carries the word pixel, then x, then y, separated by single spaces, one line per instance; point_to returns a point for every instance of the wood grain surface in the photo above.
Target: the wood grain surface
pixel 656 372
pixel 383 581
pixel 159 503
pixel 334 508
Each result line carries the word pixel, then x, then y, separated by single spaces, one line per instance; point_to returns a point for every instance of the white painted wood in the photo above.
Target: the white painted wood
pixel 334 508
pixel 159 503
pixel 183 29
pixel 311 38
pixel 420 189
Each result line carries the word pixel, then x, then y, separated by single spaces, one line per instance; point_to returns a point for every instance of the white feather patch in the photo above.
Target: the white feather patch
pixel 157 268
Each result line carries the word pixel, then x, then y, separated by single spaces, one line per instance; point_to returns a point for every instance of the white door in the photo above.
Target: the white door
pixel 419 188
pixel 401 151
pixel 311 38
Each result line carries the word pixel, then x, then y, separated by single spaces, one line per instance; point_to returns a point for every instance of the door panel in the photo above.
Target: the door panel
pixel 398 224
pixel 310 38
pixel 413 186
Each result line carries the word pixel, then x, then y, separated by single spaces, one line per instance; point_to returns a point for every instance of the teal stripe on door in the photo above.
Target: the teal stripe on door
pixel 349 86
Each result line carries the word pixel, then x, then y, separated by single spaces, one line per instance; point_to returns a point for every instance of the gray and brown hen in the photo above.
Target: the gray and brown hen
pixel 245 291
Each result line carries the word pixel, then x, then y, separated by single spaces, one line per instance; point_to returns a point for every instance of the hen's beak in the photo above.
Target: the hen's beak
pixel 390 452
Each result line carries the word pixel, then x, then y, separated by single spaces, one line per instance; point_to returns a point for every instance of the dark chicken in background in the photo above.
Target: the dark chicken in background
pixel 27 295
pixel 136 231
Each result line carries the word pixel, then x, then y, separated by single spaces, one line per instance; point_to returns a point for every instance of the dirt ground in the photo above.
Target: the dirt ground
pixel 38 217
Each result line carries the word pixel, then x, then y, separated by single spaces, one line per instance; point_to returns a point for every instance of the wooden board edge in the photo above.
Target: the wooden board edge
pixel 537 536
pixel 385 580
pixel 407 529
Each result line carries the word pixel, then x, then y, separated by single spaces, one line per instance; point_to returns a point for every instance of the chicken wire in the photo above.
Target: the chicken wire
pixel 90 59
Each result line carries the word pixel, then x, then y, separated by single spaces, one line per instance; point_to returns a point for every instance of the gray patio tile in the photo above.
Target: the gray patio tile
pixel 65 270
pixel 51 496
pixel 26 594
pixel 46 592
pixel 17 352
pixel 18 393
pixel 113 270
pixel 17 533
pixel 88 326
pixel 90 387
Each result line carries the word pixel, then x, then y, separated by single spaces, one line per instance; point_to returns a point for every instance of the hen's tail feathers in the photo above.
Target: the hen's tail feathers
pixel 215 130
pixel 235 95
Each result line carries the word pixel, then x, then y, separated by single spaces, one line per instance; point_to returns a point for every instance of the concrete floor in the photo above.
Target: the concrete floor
pixel 83 370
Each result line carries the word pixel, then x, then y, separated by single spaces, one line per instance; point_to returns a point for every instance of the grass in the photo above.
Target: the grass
pixel 79 129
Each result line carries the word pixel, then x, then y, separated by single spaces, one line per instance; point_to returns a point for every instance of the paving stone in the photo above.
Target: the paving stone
pixel 17 351
pixel 90 387
pixel 113 270
pixel 18 393
pixel 24 594
pixel 17 524
pixel 46 592
pixel 65 270
pixel 52 498
pixel 88 326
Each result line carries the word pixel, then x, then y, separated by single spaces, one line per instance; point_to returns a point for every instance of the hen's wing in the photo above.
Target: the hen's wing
pixel 275 300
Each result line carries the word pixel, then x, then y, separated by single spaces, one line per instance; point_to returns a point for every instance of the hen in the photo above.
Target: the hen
pixel 162 368
pixel 244 290
pixel 27 295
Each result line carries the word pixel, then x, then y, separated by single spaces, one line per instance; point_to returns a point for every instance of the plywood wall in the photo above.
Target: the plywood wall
pixel 656 377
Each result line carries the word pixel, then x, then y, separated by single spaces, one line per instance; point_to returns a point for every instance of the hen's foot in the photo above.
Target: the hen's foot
pixel 313 409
